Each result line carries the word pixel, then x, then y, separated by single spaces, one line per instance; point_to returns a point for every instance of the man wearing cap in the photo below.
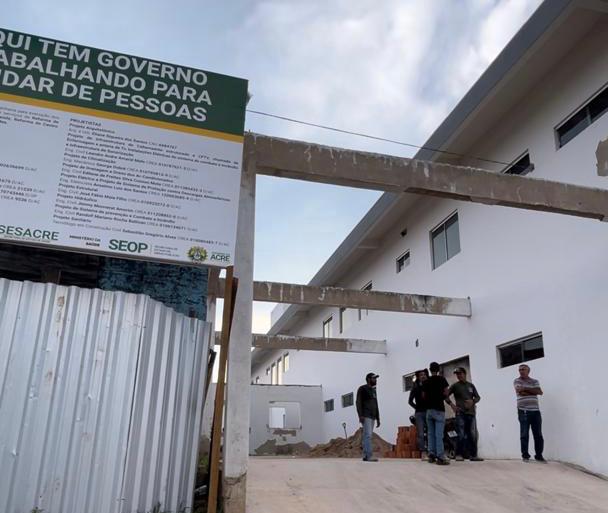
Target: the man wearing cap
pixel 466 397
pixel 367 409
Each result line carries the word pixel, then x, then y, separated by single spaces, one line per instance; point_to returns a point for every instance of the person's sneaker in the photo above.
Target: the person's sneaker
pixel 441 461
pixel 525 460
pixel 476 458
pixel 431 458
pixel 373 460
pixel 424 456
pixel 459 458
pixel 540 459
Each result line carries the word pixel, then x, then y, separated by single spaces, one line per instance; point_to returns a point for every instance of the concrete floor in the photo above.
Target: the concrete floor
pixel 285 485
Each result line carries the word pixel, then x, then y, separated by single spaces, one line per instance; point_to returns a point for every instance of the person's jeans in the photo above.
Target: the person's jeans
pixel 530 419
pixel 420 426
pixel 467 435
pixel 435 423
pixel 368 429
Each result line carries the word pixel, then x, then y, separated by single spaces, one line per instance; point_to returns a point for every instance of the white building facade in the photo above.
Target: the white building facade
pixel 538 282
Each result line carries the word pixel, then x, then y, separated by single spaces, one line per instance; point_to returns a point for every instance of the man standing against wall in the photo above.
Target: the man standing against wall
pixel 367 409
pixel 466 397
pixel 434 392
pixel 527 391
pixel 416 401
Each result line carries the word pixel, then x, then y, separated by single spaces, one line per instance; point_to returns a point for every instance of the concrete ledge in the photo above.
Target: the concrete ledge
pixel 342 345
pixel 349 298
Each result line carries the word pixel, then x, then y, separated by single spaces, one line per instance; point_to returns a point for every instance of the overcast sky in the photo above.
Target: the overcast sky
pixel 390 68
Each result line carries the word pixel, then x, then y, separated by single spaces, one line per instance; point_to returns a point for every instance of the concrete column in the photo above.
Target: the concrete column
pixel 236 434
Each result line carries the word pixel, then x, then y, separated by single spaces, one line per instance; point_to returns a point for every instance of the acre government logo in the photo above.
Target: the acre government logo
pixel 197 254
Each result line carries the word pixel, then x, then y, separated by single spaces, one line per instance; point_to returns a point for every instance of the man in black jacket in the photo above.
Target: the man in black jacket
pixel 367 409
pixel 417 402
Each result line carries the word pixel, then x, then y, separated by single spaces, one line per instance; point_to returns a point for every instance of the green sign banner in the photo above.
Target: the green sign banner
pixel 46 69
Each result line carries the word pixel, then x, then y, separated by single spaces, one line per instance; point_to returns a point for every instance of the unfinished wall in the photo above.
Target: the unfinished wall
pixel 284 419
pixel 525 272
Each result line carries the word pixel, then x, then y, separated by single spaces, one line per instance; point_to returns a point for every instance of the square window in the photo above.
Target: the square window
pixel 348 400
pixel 522 350
pixel 328 405
pixel 445 241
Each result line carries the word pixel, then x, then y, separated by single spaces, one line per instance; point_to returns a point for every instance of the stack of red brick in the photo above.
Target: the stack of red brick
pixel 406 444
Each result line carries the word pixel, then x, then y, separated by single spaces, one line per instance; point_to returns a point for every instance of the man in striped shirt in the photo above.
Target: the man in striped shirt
pixel 527 391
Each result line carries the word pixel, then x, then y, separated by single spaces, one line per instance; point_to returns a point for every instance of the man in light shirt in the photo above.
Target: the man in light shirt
pixel 527 391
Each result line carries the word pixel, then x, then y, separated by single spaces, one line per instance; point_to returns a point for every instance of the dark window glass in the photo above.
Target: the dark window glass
pixel 533 349
pixel 574 126
pixel 452 236
pixel 348 400
pixel 408 382
pixel 403 261
pixel 510 355
pixel 524 350
pixel 329 405
pixel 521 167
pixel 598 106
pixel 440 254
pixel 445 241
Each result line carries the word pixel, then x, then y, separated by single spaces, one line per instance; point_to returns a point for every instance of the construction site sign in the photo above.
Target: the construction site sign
pixel 102 152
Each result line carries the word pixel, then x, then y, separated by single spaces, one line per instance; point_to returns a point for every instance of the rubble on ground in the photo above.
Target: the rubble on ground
pixel 349 447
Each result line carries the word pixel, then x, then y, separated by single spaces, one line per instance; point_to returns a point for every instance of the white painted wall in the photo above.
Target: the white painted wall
pixel 303 410
pixel 524 271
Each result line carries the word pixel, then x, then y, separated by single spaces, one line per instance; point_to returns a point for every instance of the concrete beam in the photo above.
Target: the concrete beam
pixel 349 298
pixel 325 164
pixel 340 345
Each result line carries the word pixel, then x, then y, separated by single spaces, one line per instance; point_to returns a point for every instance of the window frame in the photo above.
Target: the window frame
pixel 436 228
pixel 341 313
pixel 286 362
pixel 583 108
pixel 326 403
pixel 280 371
pixel 516 161
pixel 329 323
pixel 351 396
pixel 403 257
pixel 273 373
pixel 404 378
pixel 520 342
pixel 368 286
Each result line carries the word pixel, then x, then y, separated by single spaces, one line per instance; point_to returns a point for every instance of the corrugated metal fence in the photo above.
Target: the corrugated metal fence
pixel 100 401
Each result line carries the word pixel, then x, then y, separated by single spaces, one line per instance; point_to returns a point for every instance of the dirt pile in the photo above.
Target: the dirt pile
pixel 349 447
pixel 270 448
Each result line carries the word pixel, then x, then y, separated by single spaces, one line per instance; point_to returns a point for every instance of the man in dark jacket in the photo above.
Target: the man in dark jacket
pixel 434 392
pixel 417 402
pixel 367 409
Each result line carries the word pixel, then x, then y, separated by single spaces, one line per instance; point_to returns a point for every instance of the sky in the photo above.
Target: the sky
pixel 389 68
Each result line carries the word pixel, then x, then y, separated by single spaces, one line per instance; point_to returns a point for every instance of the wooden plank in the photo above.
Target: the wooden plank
pixel 231 284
